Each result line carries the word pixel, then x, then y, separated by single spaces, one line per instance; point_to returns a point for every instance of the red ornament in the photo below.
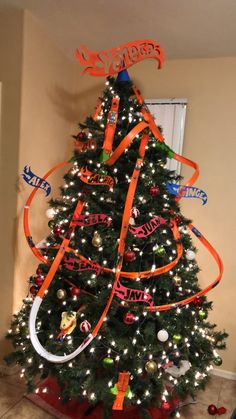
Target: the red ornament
pixel 39 281
pixel 197 302
pixel 154 191
pixel 81 136
pixel 39 271
pixel 178 220
pixel 129 256
pixel 212 409
pixel 57 230
pixel 165 406
pixel 221 410
pixel 129 318
pixel 33 290
pixel 75 291
pixel 85 326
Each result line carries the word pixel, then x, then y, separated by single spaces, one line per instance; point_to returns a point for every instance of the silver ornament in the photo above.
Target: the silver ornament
pixel 50 213
pixel 190 254
pixel 162 335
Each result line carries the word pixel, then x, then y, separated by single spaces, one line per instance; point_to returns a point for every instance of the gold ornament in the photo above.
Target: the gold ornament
pixel 177 280
pixel 61 294
pixel 96 240
pixel 151 367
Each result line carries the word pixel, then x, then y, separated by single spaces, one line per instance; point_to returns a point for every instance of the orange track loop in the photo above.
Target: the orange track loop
pixel 144 274
pixel 192 164
pixel 202 292
pixel 125 221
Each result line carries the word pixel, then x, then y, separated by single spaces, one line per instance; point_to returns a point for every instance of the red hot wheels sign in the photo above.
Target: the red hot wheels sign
pixel 147 228
pixel 133 295
pixel 77 265
pixel 91 219
pixel 95 178
pixel 112 61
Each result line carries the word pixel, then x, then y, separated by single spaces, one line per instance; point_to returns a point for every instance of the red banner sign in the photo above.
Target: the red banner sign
pixel 112 61
pixel 147 228
pixel 133 295
pixel 77 265
pixel 95 179
pixel 91 219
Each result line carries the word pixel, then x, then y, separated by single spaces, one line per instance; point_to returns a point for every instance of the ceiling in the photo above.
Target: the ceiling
pixel 184 28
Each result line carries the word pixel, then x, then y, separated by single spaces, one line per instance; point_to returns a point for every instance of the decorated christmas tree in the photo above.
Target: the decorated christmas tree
pixel 115 312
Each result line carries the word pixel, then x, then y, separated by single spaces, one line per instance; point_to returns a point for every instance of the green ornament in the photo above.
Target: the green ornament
pixel 202 314
pixel 104 156
pixel 102 171
pixel 108 361
pixel 51 224
pixel 128 392
pixel 217 361
pixel 177 338
pixel 160 251
pixel 25 331
pixel 114 390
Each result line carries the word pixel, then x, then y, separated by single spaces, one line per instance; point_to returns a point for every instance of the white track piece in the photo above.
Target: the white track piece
pixel 60 359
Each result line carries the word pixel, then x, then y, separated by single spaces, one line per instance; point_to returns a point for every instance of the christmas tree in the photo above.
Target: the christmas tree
pixel 115 310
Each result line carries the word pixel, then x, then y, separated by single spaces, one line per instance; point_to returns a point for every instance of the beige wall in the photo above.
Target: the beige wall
pixel 47 118
pixel 38 118
pixel 11 33
pixel 210 140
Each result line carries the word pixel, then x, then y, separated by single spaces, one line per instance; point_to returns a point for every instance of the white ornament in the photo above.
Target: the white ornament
pixel 162 335
pixel 176 372
pixel 132 221
pixel 190 255
pixel 50 213
pixel 41 244
pixel 85 326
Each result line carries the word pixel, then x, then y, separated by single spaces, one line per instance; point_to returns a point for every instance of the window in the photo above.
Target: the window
pixel 170 114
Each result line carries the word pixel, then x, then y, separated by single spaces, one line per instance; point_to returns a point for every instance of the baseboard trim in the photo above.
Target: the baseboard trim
pixel 224 374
